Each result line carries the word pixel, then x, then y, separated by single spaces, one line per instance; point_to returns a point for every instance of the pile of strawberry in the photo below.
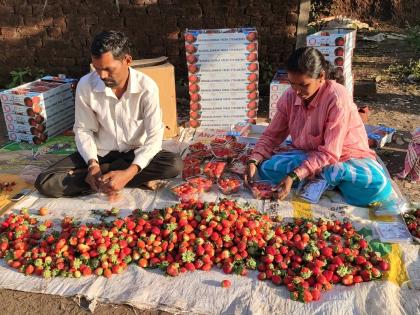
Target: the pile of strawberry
pixel 412 219
pixel 308 256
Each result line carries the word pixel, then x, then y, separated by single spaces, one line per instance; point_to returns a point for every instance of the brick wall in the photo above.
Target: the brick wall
pixel 56 37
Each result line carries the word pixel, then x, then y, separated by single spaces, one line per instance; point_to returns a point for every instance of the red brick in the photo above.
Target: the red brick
pixel 8 32
pixel 54 32
pixel 91 20
pixel 34 42
pixel 193 11
pixel 153 10
pixel 292 18
pixel 23 10
pixel 59 61
pixel 6 10
pixel 60 22
pixel 29 31
pixel 46 21
pixel 31 21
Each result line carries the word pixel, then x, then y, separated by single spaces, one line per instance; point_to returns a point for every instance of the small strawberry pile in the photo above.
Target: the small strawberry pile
pixel 229 184
pixel 186 192
pixel 237 146
pixel 214 169
pixel 202 183
pixel 198 146
pixel 262 190
pixel 192 167
pixel 219 142
pixel 307 256
pixel 224 153
pixel 412 219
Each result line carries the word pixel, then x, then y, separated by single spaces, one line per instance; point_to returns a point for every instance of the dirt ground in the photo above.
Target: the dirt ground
pixel 395 105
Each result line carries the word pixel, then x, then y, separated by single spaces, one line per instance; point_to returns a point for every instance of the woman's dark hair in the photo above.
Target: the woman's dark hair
pixel 310 61
pixel 110 41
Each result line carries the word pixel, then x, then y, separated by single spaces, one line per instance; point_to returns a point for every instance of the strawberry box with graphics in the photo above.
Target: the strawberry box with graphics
pixel 32 125
pixel 51 109
pixel 333 37
pixel 278 86
pixel 336 51
pixel 223 76
pixel 39 137
pixel 36 93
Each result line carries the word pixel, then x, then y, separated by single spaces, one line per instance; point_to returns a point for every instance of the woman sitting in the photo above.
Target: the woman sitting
pixel 328 136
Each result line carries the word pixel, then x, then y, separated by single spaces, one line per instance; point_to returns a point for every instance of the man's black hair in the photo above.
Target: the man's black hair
pixel 110 41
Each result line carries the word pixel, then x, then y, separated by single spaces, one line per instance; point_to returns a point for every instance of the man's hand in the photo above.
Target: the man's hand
pixel 250 172
pixel 93 176
pixel 284 187
pixel 117 180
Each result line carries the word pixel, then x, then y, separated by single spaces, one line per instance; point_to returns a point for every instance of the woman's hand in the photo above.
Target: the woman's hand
pixel 250 172
pixel 284 187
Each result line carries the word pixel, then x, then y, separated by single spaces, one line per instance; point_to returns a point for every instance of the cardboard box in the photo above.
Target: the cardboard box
pixel 333 37
pixel 45 126
pixel 345 63
pixel 164 76
pixel 51 109
pixel 40 138
pixel 278 86
pixel 336 51
pixel 22 114
pixel 35 93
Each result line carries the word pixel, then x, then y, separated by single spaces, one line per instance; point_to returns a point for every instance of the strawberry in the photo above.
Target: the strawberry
pixel 383 265
pixel 189 266
pixel 327 252
pixel 347 280
pixel 305 273
pixel 307 296
pixel 226 284
pixel 316 294
pixel 366 275
pixel 276 279
pixel 322 279
pixel 357 279
pixel 376 274
pixel 360 260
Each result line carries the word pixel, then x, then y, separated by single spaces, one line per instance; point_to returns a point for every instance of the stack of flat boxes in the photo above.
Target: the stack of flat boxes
pixel 223 76
pixel 337 46
pixel 278 86
pixel 38 110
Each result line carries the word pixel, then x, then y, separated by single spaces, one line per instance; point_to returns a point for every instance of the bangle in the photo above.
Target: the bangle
pixel 294 177
pixel 252 161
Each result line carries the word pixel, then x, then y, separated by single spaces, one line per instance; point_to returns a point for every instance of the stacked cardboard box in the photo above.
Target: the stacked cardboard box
pixel 38 110
pixel 223 76
pixel 337 46
pixel 278 86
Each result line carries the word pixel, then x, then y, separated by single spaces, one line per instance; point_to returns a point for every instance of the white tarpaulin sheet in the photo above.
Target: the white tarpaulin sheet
pixel 201 293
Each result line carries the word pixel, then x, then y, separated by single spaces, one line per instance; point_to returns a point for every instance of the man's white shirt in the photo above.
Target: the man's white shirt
pixel 104 123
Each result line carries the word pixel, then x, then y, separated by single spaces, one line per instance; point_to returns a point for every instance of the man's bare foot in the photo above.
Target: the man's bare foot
pixel 154 184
